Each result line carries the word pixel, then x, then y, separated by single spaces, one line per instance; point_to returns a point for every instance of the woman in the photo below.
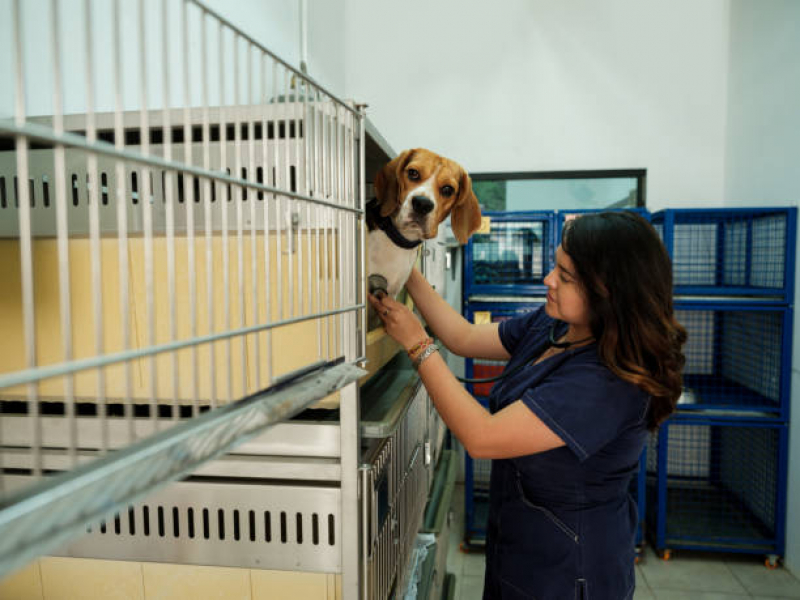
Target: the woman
pixel 589 374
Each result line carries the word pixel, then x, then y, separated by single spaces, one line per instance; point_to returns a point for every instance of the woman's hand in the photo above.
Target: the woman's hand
pixel 398 320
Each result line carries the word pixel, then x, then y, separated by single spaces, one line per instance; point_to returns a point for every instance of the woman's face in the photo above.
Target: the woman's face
pixel 566 299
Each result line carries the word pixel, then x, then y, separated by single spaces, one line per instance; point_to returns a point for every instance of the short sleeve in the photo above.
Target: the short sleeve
pixel 586 405
pixel 512 331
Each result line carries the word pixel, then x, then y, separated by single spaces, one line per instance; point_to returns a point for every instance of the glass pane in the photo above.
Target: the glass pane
pixel 551 194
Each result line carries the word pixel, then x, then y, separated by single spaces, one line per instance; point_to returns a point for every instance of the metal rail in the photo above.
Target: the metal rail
pixel 46 515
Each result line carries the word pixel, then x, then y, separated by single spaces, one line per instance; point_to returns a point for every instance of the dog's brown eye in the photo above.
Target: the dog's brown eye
pixel 447 191
pixel 413 174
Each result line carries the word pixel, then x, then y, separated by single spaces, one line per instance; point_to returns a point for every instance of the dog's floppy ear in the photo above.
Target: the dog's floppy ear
pixel 387 183
pixel 465 218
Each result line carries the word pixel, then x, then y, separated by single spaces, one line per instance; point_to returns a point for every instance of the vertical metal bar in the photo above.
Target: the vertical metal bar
pixel 122 224
pixel 94 228
pixel 239 200
pixel 317 217
pixel 190 200
pixel 62 238
pixel 147 210
pixel 362 284
pixel 265 165
pixel 298 187
pixel 25 249
pixel 251 166
pixel 276 159
pixel 325 212
pixel 223 204
pixel 287 172
pixel 170 206
pixel 351 524
pixel 307 190
pixel 207 193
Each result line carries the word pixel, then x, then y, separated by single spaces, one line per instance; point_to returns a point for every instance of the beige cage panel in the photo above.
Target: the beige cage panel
pixel 290 347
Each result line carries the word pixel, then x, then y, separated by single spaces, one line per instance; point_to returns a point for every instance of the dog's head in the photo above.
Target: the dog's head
pixel 419 188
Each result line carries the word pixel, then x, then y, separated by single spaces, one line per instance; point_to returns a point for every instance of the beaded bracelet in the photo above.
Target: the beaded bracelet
pixel 419 347
pixel 425 354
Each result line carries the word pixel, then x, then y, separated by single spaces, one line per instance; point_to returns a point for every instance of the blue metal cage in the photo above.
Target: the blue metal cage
pixel 512 257
pixel 731 252
pixel 738 357
pixel 562 216
pixel 718 484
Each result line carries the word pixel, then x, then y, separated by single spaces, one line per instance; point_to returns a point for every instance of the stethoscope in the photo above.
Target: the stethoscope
pixel 550 342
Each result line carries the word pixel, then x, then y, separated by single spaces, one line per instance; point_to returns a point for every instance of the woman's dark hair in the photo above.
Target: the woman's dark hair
pixel 626 274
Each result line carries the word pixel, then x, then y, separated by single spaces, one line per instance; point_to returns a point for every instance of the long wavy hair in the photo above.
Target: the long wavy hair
pixel 626 274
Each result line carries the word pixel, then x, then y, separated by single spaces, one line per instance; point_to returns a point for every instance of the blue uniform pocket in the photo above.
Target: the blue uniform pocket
pixel 537 552
pixel 548 513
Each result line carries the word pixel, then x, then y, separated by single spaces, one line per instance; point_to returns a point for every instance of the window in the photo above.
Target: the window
pixel 560 190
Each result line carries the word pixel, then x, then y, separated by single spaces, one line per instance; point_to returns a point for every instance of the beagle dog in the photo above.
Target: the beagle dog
pixel 414 193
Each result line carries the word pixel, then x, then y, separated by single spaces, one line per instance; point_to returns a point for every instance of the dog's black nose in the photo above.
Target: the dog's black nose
pixel 422 205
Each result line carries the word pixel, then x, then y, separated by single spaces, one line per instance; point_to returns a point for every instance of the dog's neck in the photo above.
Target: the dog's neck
pixel 385 224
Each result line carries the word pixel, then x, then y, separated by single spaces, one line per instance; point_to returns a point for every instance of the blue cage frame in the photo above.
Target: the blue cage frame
pixel 731 251
pixel 473 267
pixel 739 357
pixel 721 517
pixel 561 216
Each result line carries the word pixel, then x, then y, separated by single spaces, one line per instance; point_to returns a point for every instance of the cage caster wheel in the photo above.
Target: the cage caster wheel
pixel 771 562
pixel 666 554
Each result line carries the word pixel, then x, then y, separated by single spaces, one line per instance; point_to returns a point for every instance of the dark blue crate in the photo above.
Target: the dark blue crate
pixel 738 357
pixel 513 257
pixel 563 216
pixel 718 485
pixel 731 252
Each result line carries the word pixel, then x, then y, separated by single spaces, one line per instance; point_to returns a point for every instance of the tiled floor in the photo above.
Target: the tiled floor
pixel 686 576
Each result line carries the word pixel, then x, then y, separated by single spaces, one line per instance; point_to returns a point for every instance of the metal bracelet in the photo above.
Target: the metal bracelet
pixel 425 354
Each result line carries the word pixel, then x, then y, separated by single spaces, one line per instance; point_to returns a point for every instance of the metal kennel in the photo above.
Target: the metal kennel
pixel 184 269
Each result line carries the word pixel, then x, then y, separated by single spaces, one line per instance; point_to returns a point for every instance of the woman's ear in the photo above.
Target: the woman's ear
pixel 465 219
pixel 387 183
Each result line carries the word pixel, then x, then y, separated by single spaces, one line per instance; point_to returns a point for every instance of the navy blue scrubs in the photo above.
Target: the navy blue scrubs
pixel 562 523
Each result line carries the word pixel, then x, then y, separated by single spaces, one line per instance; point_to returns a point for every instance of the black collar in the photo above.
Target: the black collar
pixel 386 225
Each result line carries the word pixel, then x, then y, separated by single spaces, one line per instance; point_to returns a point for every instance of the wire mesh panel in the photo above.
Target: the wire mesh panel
pixel 718 485
pixel 731 251
pixel 510 255
pixel 737 357
pixel 180 224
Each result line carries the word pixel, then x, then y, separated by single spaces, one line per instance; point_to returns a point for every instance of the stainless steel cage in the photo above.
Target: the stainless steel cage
pixel 179 275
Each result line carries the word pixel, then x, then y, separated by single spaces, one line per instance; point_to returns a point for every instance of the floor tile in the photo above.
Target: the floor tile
pixel 643 591
pixel 689 573
pixel 757 579
pixel 471 588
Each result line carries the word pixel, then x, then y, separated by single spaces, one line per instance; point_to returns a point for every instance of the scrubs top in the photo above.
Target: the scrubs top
pixel 562 522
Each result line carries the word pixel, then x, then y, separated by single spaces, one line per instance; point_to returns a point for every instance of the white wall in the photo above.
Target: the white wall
pixel 532 85
pixel 762 155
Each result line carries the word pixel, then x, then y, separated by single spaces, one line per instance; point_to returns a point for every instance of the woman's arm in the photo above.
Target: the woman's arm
pixel 513 431
pixel 455 332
